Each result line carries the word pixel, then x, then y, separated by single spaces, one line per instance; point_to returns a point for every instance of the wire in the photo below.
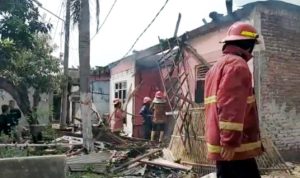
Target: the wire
pixel 106 17
pixel 62 4
pixel 138 38
pixel 41 6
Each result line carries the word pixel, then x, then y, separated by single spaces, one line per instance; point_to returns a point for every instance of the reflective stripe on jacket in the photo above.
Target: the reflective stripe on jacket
pixel 230 107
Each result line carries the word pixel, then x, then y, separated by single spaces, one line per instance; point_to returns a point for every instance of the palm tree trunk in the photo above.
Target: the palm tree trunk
pixel 84 62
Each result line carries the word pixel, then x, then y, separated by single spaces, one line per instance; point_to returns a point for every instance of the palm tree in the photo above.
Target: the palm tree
pixel 75 9
pixel 81 16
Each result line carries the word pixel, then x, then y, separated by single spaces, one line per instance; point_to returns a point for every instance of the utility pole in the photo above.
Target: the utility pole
pixel 64 106
pixel 84 62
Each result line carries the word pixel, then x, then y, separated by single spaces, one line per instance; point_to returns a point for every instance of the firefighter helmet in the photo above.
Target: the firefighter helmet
pixel 159 95
pixel 241 31
pixel 147 100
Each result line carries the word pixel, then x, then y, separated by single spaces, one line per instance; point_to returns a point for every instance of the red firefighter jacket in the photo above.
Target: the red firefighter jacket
pixel 159 113
pixel 230 107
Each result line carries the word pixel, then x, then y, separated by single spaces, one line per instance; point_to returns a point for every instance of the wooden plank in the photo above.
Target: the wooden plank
pixel 171 88
pixel 177 25
pixel 135 160
pixel 153 50
pixel 131 94
pixel 90 158
pixel 165 163
pixel 168 155
pixel 179 87
pixel 198 164
pixel 94 162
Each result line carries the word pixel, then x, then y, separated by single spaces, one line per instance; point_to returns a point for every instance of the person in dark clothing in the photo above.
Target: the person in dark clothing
pixel 147 117
pixel 3 116
pixel 5 120
pixel 238 168
pixel 15 113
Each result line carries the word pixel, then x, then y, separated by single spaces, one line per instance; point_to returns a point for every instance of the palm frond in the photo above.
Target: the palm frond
pixel 75 11
pixel 97 14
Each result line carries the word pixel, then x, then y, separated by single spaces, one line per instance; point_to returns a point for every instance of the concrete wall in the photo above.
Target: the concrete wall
pixel 208 45
pixel 124 71
pixel 33 167
pixel 43 109
pixel 279 75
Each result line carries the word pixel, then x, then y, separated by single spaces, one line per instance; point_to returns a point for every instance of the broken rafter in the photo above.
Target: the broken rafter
pixel 131 94
pixel 179 87
pixel 135 160
pixel 166 163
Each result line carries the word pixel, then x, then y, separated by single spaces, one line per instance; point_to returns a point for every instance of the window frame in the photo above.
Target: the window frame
pixel 120 90
pixel 202 69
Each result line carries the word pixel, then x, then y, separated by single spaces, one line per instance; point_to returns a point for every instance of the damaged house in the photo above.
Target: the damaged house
pixel 131 80
pixel 99 80
pixel 275 69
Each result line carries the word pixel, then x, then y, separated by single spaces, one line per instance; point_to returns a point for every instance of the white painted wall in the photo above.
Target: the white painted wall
pixel 43 110
pixel 129 77
pixel 101 101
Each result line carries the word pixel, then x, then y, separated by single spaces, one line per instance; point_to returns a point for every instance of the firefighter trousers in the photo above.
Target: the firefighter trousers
pixel 237 169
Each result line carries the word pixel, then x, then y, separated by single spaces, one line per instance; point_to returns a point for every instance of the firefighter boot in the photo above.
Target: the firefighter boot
pixel 161 136
pixel 152 135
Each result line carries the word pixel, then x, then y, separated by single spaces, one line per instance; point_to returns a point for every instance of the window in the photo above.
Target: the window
pixel 200 81
pixel 121 91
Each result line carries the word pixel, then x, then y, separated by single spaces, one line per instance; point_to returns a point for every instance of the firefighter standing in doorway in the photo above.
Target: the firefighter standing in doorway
pixel 146 113
pixel 232 128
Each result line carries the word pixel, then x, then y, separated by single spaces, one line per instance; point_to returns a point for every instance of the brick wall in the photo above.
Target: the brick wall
pixel 280 77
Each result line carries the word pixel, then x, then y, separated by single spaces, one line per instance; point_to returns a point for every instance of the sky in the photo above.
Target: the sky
pixel 127 20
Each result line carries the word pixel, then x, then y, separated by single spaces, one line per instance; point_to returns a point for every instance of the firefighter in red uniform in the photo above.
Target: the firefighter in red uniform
pixel 232 128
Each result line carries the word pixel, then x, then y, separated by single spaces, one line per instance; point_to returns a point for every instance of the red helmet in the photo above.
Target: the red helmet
pixel 146 100
pixel 159 95
pixel 241 31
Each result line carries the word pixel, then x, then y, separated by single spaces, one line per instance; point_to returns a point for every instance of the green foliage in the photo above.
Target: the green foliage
pixel 5 138
pixel 31 67
pixel 20 21
pixel 25 50
pixel 6 50
pixel 49 134
pixel 32 118
pixel 88 175
pixel 10 152
pixel 75 12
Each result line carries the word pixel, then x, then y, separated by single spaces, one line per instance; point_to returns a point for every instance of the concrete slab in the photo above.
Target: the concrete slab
pixel 33 167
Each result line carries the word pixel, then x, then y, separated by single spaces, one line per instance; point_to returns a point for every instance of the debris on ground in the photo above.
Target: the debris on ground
pixel 128 157
pixel 94 162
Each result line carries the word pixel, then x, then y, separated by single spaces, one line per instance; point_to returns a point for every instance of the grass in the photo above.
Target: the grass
pixel 89 175
pixel 12 152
